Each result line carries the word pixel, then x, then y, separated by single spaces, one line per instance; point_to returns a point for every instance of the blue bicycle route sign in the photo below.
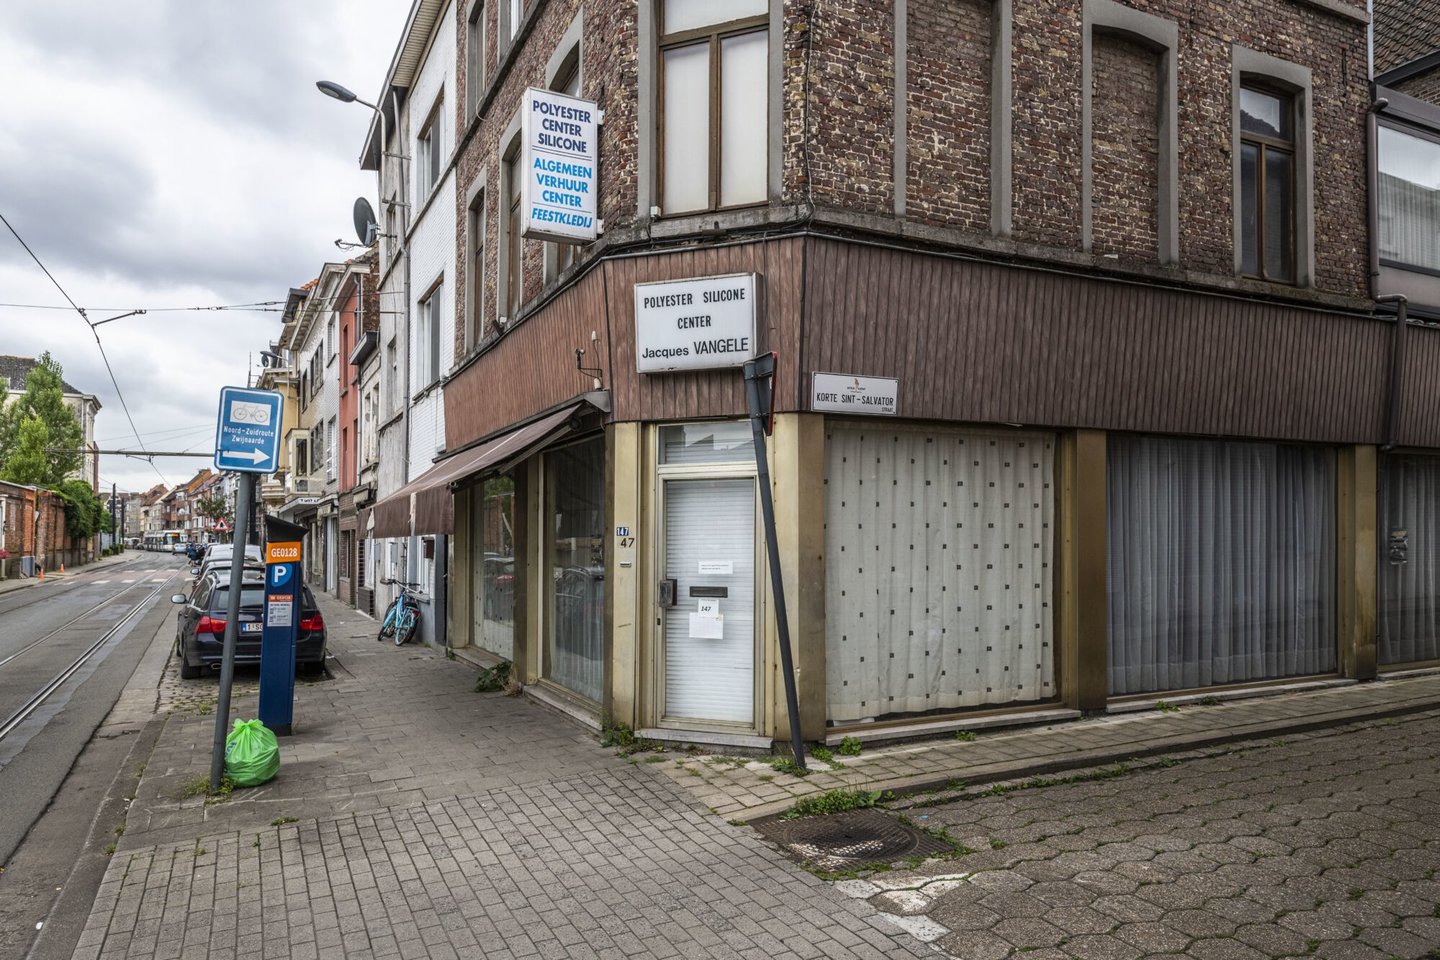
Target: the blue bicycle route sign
pixel 247 434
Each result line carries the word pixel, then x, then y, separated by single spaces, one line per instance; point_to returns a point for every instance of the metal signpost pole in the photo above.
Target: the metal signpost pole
pixel 244 499
pixel 763 368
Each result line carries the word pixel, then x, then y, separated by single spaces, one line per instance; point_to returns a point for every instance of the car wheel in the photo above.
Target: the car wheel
pixel 188 672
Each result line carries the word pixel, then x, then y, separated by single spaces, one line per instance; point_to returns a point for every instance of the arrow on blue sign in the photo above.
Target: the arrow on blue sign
pixel 247 432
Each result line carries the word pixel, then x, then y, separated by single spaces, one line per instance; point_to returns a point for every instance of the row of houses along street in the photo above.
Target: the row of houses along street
pixel 1105 335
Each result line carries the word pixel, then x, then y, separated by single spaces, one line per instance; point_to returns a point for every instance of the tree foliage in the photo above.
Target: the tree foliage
pixel 85 513
pixel 212 508
pixel 41 440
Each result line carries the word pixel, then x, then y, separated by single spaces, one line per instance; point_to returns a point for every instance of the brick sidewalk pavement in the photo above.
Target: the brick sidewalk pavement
pixel 413 817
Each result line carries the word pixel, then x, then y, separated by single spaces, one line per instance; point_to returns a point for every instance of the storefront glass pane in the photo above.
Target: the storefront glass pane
pixel 493 517
pixel 1221 562
pixel 727 442
pixel 1409 559
pixel 575 513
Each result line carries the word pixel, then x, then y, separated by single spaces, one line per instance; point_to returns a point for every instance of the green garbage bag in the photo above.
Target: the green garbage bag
pixel 251 754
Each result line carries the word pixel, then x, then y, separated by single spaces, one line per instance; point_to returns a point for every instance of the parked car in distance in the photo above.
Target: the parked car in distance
pixel 221 568
pixel 224 551
pixel 200 626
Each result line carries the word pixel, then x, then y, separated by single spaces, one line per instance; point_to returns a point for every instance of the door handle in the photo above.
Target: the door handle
pixel 669 592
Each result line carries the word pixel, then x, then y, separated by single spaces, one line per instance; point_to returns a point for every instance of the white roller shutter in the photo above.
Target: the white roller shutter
pixel 938 569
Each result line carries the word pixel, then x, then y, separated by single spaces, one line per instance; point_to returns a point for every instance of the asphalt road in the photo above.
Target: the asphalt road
pixel 1324 845
pixel 56 744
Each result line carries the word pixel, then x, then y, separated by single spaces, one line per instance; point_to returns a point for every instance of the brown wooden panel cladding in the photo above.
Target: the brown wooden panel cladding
pixel 533 366
pixel 988 342
pixel 973 341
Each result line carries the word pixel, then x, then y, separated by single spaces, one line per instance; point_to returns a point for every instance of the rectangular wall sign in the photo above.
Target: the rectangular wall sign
pixel 843 393
pixel 559 136
pixel 699 324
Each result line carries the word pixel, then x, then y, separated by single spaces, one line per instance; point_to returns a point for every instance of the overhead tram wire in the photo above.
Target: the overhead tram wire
pixel 121 396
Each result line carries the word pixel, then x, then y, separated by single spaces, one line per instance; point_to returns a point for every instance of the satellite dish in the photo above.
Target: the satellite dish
pixel 365 226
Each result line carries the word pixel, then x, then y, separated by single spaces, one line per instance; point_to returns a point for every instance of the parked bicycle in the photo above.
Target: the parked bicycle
pixel 403 615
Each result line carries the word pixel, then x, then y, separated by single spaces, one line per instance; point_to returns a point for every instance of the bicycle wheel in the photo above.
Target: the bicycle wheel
pixel 387 626
pixel 406 627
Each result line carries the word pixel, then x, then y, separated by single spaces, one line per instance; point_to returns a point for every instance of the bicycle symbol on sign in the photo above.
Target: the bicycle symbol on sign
pixel 242 412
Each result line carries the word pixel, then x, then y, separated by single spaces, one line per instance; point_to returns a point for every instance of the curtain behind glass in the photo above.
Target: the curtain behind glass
pixel 1221 562
pixel 575 482
pixel 1409 207
pixel 1409 591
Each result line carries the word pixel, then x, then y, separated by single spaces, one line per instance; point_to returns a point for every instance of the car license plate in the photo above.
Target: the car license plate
pixel 251 627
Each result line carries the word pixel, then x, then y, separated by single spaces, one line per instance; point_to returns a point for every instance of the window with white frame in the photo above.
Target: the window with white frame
pixel 713 104
pixel 330 450
pixel 317 449
pixel 392 380
pixel 427 336
pixel 331 340
pixel 511 13
pixel 429 153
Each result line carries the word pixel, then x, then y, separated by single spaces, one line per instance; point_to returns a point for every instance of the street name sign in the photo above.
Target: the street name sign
pixel 559 136
pixel 247 434
pixel 704 323
pixel 845 393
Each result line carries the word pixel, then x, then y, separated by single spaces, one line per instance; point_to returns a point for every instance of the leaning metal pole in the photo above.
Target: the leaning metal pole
pixel 763 368
pixel 244 506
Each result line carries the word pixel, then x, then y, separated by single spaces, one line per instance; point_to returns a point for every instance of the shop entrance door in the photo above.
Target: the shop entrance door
pixel 708 634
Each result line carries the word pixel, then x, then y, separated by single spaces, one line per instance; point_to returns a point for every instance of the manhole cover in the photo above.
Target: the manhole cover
pixel 846 840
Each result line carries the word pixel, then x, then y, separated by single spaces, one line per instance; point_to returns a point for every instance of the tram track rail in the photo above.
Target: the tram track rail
pixel 11 602
pixel 36 700
pixel 75 619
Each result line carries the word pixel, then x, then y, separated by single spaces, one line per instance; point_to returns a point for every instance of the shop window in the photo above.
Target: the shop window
pixel 1409 195
pixel 1409 561
pixel 575 512
pixel 713 111
pixel 1221 562
pixel 1267 184
pixel 724 442
pixel 938 574
pixel 492 518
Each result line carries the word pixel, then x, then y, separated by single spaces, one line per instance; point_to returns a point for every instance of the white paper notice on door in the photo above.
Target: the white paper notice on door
pixel 707 626
pixel 722 568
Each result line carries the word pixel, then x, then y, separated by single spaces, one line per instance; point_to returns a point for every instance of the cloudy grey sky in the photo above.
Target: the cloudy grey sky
pixel 175 153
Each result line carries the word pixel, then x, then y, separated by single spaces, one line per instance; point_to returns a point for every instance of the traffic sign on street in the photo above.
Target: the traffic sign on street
pixel 247 435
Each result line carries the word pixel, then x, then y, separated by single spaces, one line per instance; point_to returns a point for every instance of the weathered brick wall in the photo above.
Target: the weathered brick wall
pixel 1424 87
pixel 1046 69
pixel 852 105
pixel 1125 149
pixel 608 75
pixel 948 113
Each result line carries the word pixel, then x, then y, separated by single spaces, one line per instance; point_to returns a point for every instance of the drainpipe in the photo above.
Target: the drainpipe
pixel 1397 368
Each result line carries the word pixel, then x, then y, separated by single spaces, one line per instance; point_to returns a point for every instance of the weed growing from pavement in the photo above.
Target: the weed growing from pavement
pixel 849 747
pixel 199 785
pixel 1209 700
pixel 493 680
pixel 835 801
pixel 1165 706
pixel 965 736
pixel 823 754
pixel 622 737
pixel 787 765
pixel 200 852
pixel 281 821
pixel 110 850
pixel 120 830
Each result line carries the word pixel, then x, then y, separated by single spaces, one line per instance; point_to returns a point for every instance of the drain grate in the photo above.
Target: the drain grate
pixel 848 840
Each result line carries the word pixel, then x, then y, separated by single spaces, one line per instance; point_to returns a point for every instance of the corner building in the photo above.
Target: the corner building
pixel 1114 259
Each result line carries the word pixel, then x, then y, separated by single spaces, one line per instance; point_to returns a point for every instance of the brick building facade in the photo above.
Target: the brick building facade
pixel 1115 258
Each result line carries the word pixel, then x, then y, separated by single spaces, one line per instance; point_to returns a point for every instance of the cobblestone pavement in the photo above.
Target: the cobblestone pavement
pixel 1321 845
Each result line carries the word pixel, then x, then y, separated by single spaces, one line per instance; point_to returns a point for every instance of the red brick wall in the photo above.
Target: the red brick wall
pixel 948 113
pixel 1125 149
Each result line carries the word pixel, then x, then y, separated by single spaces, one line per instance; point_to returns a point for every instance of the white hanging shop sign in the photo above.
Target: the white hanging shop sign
pixel 704 323
pixel 843 393
pixel 559 136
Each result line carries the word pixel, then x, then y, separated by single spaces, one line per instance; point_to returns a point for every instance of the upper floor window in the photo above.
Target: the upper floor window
pixel 511 13
pixel 330 340
pixel 475 271
pixel 1408 165
pixel 1267 184
pixel 474 57
pixel 713 94
pixel 427 335
pixel 429 154
pixel 567 81
pixel 392 381
pixel 513 274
